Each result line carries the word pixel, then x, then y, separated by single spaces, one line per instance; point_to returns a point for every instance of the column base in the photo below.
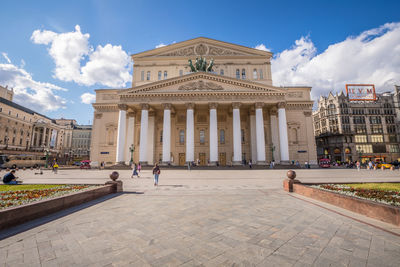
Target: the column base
pixel 236 163
pixel 284 162
pixel 261 162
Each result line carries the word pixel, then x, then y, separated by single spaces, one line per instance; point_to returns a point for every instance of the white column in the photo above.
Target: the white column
pixel 130 133
pixel 260 137
pixel 253 138
pixel 275 137
pixel 213 134
pixel 284 145
pixel 144 122
pixel 44 136
pixel 121 134
pixel 237 142
pixel 166 154
pixel 189 133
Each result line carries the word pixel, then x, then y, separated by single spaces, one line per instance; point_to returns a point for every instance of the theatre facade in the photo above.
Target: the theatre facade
pixel 227 115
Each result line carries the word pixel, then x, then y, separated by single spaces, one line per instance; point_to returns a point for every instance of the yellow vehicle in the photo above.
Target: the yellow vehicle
pixel 20 161
pixel 381 162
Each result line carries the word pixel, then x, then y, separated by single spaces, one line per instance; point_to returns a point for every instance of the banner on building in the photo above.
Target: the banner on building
pixel 361 92
pixel 53 138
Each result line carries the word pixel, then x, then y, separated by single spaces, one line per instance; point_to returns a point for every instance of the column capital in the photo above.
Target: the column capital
pixel 123 107
pixel 213 105
pixel 131 114
pixel 307 113
pixel 281 105
pixel 259 105
pixel 273 112
pixel 144 106
pixel 236 105
pixel 189 105
pixel 167 106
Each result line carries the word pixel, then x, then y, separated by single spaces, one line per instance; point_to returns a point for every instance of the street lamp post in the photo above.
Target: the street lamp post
pixel 360 152
pixel 131 149
pixel 46 152
pixel 272 151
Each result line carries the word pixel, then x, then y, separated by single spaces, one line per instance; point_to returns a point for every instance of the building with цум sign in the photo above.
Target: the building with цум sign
pixel 230 115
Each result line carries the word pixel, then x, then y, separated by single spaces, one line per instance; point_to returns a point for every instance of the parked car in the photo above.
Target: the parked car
pixel 85 164
pixel 77 163
pixel 325 163
pixel 385 165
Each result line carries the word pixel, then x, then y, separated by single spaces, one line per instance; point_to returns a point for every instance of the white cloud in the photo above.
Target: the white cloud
pixel 38 96
pixel 88 98
pixel 371 57
pixel 76 60
pixel 5 55
pixel 160 45
pixel 262 47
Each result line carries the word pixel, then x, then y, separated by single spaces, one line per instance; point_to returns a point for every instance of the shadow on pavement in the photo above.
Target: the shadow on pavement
pixel 57 215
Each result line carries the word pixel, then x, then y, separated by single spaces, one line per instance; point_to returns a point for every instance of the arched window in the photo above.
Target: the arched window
pixel 142 75
pixel 255 74
pixel 180 72
pixel 222 136
pixel 261 74
pixel 243 74
pixel 165 75
pixel 294 135
pixel 148 76
pixel 159 75
pixel 237 74
pixel 221 72
pixel 181 137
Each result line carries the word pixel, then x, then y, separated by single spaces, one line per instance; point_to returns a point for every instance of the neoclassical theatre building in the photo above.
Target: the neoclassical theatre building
pixel 228 114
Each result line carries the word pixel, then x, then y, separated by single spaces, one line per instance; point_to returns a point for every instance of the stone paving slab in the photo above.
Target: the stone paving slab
pixel 194 220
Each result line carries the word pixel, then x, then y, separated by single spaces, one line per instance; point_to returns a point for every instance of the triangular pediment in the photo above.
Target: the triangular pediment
pixel 199 82
pixel 202 47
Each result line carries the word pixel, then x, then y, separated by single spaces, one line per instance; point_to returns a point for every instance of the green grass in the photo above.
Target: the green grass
pixel 379 186
pixel 27 187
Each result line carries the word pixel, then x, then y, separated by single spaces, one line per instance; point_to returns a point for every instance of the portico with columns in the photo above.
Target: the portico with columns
pixel 209 118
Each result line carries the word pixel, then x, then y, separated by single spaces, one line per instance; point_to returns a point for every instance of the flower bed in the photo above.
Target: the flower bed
pixel 15 197
pixel 389 197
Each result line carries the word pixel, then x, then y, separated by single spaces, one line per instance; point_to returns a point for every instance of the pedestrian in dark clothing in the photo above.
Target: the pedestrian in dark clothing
pixel 156 173
pixel 135 169
pixel 10 178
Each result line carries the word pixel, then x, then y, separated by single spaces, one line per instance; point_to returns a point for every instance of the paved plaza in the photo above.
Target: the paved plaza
pixel 203 217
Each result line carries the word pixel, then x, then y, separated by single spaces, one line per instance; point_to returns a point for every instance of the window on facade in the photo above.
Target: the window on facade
pixel 375 120
pixel 237 74
pixel 376 129
pixel 148 76
pixel 161 136
pixel 165 75
pixel 1 109
pixel 364 148
pixel 202 137
pixel 142 75
pixel 221 72
pixel 159 75
pixel 261 74
pixel 360 138
pixel 17 115
pixel 243 74
pixel 242 137
pixel 222 136
pixel 181 137
pixel 255 74
pixel 180 72
pixel 9 112
pixel 394 148
pixel 391 128
pixel 376 138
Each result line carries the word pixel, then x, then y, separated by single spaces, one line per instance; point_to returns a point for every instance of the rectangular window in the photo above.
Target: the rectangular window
pixel 222 136
pixel 202 137
pixel 237 74
pixel 165 75
pixel 148 76
pixel 221 72
pixel 159 75
pixel 394 148
pixel 364 148
pixel 375 138
pixel 261 74
pixel 360 138
pixel 181 137
pixel 142 75
pixel 180 72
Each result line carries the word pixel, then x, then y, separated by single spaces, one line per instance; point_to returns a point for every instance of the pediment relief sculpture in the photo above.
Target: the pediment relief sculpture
pixel 200 85
pixel 202 50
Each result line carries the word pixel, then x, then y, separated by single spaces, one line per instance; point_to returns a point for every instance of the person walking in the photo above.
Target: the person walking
pixel 55 167
pixel 250 164
pixel 358 165
pixel 135 170
pixel 370 165
pixel 156 173
pixel 139 167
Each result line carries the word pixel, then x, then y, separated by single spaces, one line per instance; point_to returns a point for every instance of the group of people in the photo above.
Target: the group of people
pixel 136 168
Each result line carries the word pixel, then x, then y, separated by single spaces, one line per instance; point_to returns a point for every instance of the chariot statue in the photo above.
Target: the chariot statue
pixel 201 65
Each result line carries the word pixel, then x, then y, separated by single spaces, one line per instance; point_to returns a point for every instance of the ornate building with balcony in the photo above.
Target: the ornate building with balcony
pixel 226 112
pixel 357 130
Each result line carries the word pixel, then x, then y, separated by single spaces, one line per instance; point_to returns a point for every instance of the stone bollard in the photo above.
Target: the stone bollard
pixel 289 181
pixel 116 185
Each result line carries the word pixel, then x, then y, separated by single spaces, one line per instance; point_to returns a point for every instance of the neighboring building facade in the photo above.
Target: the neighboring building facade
pixel 24 130
pixel 349 131
pixel 227 116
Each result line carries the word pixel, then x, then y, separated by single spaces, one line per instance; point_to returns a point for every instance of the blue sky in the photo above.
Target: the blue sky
pixel 323 44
